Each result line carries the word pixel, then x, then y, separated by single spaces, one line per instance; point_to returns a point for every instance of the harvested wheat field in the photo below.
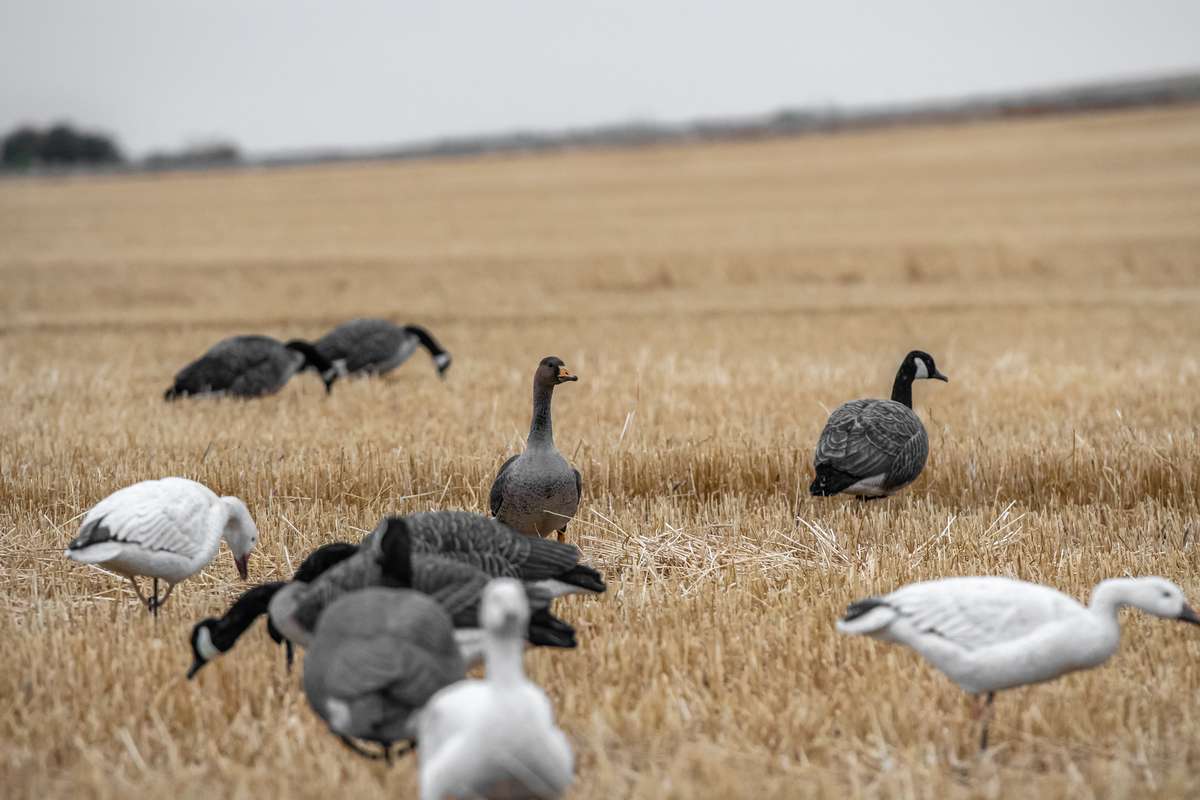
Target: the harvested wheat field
pixel 717 301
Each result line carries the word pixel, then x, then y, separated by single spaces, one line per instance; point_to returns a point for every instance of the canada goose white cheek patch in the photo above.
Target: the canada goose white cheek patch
pixel 204 645
pixel 441 359
pixel 922 368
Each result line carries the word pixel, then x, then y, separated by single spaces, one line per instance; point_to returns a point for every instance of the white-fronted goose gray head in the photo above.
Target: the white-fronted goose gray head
pixel 874 448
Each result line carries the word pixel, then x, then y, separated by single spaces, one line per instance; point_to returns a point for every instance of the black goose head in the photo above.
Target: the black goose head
pixel 919 365
pixel 395 546
pixel 211 637
pixel 551 372
pixel 315 361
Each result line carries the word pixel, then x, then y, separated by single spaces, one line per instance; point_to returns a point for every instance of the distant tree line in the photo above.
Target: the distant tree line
pixel 196 156
pixel 59 145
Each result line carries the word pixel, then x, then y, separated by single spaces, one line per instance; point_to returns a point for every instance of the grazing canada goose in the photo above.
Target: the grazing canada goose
pixel 249 366
pixel 497 549
pixel 167 529
pixel 494 737
pixel 213 636
pixel 376 658
pixel 874 448
pixel 537 492
pixel 392 560
pixel 988 634
pixel 376 347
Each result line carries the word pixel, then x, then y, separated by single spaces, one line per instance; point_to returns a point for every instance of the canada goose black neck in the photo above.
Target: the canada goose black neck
pixel 314 359
pixel 902 386
pixel 222 634
pixel 431 344
pixel 395 546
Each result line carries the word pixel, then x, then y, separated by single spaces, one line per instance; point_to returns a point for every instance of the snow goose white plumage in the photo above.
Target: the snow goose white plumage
pixel 494 737
pixel 167 529
pixel 990 633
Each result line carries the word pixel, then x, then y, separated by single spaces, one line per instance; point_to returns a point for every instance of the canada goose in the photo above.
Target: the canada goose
pixel 167 529
pixel 874 448
pixel 988 634
pixel 249 366
pixel 376 347
pixel 494 737
pixel 376 658
pixel 392 560
pixel 215 636
pixel 537 492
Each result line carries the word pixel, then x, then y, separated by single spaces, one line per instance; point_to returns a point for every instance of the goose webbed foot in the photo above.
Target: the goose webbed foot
pixel 385 754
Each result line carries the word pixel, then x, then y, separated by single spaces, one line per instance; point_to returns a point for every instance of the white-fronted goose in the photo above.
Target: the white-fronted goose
pixel 537 492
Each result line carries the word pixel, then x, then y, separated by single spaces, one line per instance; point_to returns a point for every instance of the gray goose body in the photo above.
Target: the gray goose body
pixel 376 658
pixel 376 346
pixel 248 366
pixel 537 492
pixel 874 448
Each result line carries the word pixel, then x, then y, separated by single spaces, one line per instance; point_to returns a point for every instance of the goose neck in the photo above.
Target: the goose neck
pixel 902 388
pixel 503 658
pixel 541 427
pixel 1108 597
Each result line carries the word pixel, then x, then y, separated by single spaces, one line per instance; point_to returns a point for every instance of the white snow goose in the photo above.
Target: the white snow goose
pixel 494 737
pixel 988 633
pixel 874 448
pixel 167 529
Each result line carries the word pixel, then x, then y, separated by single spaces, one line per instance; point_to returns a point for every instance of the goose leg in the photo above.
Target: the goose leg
pixel 141 596
pixel 985 714
pixel 289 654
pixel 160 601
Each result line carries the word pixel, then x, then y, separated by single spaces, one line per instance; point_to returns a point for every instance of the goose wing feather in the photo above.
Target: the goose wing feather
pixel 496 496
pixel 868 437
pixel 169 515
pixel 979 612
pixel 361 343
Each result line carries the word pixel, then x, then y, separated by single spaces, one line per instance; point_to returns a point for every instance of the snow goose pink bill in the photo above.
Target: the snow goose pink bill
pixel 988 633
pixel 167 530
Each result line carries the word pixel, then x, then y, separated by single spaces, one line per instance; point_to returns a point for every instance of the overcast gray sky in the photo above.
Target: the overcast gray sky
pixel 293 74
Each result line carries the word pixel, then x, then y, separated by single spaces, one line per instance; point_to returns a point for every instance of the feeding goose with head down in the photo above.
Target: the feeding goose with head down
pixel 376 347
pixel 874 448
pixel 249 366
pixel 167 529
pixel 537 492
pixel 988 633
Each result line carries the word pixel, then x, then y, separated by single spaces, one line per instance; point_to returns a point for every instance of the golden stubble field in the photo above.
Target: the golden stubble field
pixel 717 301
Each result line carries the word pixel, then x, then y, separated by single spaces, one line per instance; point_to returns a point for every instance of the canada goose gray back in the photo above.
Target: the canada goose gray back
pixel 376 346
pixel 376 658
pixel 496 549
pixel 873 448
pixel 537 492
pixel 249 366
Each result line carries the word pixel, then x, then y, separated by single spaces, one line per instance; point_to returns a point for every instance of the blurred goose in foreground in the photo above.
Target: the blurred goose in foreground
pixel 987 634
pixel 874 448
pixel 537 492
pixel 167 529
pixel 376 658
pixel 376 347
pixel 495 737
pixel 215 636
pixel 456 552
pixel 391 559
pixel 249 366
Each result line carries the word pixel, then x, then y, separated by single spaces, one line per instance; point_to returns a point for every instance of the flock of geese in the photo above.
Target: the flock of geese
pixel 390 625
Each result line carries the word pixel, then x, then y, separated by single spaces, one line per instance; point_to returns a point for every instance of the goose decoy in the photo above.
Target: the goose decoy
pixel 494 737
pixel 215 636
pixel 249 366
pixel 391 560
pixel 874 448
pixel 988 634
pixel 167 529
pixel 376 658
pixel 376 347
pixel 537 492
